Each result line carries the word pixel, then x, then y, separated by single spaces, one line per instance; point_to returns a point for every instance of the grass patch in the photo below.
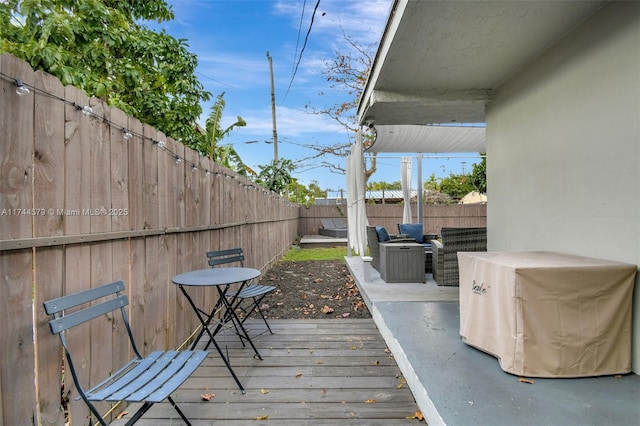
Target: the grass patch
pixel 299 254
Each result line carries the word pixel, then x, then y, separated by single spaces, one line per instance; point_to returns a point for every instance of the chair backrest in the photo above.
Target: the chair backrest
pixel 464 239
pixel 99 300
pixel 413 230
pixel 222 257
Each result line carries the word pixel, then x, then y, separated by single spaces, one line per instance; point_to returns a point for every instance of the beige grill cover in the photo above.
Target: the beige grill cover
pixel 545 314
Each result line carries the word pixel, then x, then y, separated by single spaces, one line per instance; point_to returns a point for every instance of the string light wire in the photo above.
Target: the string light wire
pixel 23 89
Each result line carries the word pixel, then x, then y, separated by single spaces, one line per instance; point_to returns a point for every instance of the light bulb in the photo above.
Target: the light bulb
pixel 87 110
pixel 178 160
pixel 126 134
pixel 161 144
pixel 21 90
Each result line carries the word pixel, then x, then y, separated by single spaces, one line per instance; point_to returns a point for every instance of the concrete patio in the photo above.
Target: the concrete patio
pixel 455 384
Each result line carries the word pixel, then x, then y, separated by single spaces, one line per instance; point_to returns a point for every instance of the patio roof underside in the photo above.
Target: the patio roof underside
pixel 428 139
pixel 441 62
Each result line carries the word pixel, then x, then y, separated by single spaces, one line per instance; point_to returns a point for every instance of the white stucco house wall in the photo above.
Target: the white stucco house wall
pixel 558 86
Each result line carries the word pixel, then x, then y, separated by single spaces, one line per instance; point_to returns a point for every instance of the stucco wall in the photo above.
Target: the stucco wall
pixel 563 148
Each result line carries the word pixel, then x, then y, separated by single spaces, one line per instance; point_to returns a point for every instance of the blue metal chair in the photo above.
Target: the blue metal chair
pixel 145 380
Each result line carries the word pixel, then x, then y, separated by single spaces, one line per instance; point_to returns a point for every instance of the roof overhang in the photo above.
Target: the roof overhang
pixel 428 139
pixel 442 61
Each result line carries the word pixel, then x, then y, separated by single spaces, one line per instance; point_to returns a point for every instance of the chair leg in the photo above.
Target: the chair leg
pixel 255 306
pixel 172 402
pixel 263 317
pixel 145 407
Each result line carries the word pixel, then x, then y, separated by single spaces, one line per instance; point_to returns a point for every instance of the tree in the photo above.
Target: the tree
pixel 379 186
pixel 432 184
pixel 347 72
pixel 276 176
pixel 225 155
pixel 456 186
pixel 479 175
pixel 101 47
pixel 300 194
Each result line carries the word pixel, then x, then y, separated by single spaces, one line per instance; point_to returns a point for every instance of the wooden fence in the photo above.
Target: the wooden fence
pixel 389 215
pixel 83 204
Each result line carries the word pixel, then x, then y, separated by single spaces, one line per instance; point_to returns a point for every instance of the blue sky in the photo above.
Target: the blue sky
pixel 231 39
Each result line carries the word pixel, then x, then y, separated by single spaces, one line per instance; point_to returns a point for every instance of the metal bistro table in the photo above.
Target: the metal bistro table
pixel 221 278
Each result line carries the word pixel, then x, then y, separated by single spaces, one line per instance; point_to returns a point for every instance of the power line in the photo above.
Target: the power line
pixel 306 38
pixel 295 55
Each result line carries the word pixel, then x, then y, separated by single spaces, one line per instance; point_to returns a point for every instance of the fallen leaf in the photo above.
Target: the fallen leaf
pixel 376 362
pixel 265 417
pixel 299 374
pixel 353 348
pixel 264 391
pixel 371 401
pixel 523 380
pixel 207 396
pixel 121 415
pixel 417 415
pixel 346 314
pixel 358 305
pixel 327 310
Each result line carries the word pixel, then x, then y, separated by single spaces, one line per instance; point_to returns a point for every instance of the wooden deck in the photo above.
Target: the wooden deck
pixel 329 372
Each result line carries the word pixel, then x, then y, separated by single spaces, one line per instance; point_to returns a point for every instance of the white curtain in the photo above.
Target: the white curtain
pixel 405 180
pixel 356 212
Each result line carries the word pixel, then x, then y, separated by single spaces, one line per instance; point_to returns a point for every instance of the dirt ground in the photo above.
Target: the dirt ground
pixel 312 289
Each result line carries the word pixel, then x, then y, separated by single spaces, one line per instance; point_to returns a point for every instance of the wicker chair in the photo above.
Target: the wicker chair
pixel 374 244
pixel 445 252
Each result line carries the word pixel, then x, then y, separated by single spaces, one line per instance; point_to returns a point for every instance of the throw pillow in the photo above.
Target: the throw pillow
pixel 383 235
pixel 413 230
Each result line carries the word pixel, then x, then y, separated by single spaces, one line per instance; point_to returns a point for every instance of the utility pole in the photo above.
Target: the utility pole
pixel 273 112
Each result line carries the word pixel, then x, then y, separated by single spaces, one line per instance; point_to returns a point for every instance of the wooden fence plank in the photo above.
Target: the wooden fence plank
pixel 48 198
pixel 17 357
pixel 99 204
pixel 16 166
pixel 49 284
pixel 77 274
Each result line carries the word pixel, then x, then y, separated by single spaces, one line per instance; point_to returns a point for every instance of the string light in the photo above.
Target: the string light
pixel 22 89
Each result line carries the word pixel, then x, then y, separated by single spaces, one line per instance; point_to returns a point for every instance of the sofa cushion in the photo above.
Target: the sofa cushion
pixel 413 230
pixel 383 235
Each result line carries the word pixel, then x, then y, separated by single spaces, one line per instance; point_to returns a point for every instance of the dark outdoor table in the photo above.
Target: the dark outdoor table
pixel 221 279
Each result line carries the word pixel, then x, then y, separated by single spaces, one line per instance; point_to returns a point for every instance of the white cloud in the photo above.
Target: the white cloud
pixel 363 20
pixel 290 122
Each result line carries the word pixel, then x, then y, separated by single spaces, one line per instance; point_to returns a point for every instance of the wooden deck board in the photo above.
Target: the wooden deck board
pixel 313 372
